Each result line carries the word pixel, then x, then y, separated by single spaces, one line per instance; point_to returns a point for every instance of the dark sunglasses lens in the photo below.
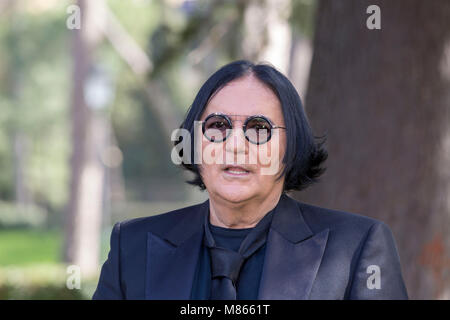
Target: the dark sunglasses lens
pixel 258 130
pixel 215 128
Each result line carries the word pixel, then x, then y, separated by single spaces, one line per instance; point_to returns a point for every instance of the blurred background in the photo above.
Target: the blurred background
pixel 91 90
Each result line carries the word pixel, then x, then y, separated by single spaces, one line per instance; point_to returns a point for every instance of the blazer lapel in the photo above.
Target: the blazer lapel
pixel 172 259
pixel 293 255
pixel 292 259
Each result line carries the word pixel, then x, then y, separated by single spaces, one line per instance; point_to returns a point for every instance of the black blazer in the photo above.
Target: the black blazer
pixel 311 253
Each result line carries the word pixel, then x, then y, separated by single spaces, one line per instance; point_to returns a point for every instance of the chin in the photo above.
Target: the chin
pixel 235 193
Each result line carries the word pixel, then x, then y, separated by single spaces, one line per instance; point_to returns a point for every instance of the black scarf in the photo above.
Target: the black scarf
pixel 226 264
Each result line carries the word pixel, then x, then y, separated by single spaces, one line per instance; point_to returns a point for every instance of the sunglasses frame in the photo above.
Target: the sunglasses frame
pixel 244 126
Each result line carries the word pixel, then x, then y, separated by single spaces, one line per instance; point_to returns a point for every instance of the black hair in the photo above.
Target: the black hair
pixel 303 157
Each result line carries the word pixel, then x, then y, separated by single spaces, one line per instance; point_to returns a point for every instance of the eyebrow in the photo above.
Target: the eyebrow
pixel 242 115
pixel 239 115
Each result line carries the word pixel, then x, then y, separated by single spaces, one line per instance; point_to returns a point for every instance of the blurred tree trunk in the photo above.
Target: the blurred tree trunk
pixel 383 96
pixel 267 33
pixel 20 147
pixel 83 215
pixel 300 63
pixel 20 140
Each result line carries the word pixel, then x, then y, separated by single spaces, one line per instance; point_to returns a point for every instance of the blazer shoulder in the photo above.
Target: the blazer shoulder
pixel 321 217
pixel 159 223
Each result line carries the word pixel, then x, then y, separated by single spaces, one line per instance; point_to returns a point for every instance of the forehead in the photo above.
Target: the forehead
pixel 245 96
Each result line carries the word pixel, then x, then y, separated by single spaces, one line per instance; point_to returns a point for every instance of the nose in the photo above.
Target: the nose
pixel 236 142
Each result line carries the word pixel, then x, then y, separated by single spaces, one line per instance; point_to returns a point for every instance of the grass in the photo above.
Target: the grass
pixel 22 247
pixel 31 266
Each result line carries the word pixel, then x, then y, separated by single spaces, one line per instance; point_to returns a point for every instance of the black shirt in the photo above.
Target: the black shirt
pixel 249 277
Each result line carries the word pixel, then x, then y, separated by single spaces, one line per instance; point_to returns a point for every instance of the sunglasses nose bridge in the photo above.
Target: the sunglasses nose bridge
pixel 236 140
pixel 236 127
pixel 236 133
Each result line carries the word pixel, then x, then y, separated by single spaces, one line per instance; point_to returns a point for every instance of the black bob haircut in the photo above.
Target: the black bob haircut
pixel 303 157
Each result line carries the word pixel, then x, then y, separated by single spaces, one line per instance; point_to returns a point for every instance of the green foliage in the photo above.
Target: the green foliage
pixel 139 18
pixel 44 292
pixel 142 141
pixel 181 32
pixel 302 16
pixel 34 87
pixel 42 282
pixel 30 267
pixel 29 246
pixel 17 216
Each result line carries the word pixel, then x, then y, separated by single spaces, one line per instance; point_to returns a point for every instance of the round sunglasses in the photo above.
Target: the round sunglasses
pixel 257 129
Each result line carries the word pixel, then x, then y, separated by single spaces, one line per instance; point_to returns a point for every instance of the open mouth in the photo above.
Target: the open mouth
pixel 236 170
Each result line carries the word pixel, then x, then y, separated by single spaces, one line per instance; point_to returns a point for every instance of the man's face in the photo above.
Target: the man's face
pixel 250 177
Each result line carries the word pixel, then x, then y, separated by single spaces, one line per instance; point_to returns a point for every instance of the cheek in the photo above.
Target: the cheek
pixel 266 180
pixel 210 154
pixel 270 153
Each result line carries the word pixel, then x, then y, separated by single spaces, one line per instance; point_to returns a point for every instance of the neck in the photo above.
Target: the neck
pixel 241 215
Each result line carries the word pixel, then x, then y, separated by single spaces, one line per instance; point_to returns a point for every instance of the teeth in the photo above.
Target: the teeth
pixel 236 171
